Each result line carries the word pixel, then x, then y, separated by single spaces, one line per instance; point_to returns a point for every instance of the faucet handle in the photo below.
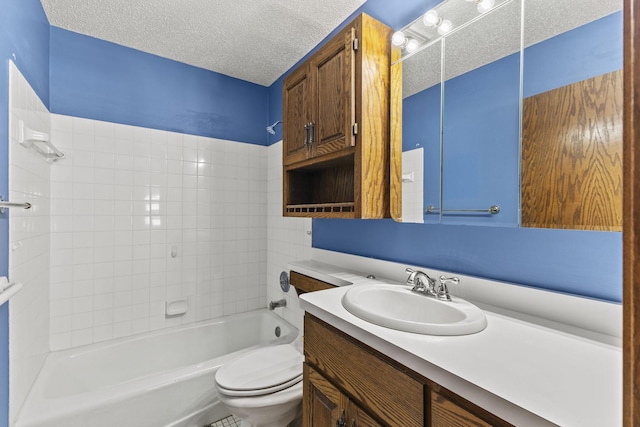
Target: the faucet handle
pixel 444 280
pixel 443 290
pixel 412 275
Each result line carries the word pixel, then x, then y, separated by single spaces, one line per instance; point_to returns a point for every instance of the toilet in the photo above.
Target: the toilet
pixel 263 387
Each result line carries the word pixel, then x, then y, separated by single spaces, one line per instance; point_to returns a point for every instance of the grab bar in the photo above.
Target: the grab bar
pixel 494 209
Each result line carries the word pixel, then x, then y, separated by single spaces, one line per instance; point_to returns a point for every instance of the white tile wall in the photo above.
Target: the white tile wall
pixel 289 239
pixel 122 200
pixel 95 251
pixel 29 243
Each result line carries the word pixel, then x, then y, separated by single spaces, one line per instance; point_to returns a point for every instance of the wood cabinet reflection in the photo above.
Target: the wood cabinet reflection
pixel 572 156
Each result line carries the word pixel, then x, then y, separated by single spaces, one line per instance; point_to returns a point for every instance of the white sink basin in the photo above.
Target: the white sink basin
pixel 396 307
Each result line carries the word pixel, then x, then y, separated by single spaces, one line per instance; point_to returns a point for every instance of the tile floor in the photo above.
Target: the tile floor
pixel 230 421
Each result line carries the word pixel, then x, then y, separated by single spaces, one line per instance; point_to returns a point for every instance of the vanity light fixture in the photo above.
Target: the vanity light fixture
pixel 444 27
pixel 412 45
pixel 484 5
pixel 432 19
pixel 398 39
pixel 406 43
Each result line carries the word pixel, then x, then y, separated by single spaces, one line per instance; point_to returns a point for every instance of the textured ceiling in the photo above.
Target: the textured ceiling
pixel 253 40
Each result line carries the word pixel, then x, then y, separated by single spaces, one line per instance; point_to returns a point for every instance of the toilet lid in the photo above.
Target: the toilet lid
pixel 261 371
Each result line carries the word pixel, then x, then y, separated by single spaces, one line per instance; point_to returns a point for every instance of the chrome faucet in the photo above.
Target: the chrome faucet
pixel 279 303
pixel 424 284
pixel 421 282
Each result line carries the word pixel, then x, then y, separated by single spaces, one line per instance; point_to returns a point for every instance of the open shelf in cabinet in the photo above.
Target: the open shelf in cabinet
pixel 321 188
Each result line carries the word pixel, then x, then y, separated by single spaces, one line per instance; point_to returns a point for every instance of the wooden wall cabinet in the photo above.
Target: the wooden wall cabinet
pixel 336 127
pixel 347 381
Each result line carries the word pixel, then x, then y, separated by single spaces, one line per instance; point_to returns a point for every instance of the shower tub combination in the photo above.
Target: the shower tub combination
pixel 159 379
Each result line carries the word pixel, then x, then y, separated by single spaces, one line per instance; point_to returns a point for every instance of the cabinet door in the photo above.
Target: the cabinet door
pixel 322 404
pixel 445 413
pixel 359 418
pixel 296 116
pixel 333 94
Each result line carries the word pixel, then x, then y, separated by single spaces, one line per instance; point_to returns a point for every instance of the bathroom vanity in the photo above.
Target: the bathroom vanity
pixel 521 370
pixel 338 366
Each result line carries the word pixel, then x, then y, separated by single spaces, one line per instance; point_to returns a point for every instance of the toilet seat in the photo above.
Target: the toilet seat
pixel 260 372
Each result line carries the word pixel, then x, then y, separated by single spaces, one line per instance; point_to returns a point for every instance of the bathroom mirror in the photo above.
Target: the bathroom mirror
pixel 465 95
pixel 421 125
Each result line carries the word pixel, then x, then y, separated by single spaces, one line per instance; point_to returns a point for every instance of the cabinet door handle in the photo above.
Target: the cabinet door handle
pixel 306 134
pixel 341 422
pixel 312 133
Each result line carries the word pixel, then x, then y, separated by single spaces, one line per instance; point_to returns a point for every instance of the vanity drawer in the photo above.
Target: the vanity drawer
pixel 380 388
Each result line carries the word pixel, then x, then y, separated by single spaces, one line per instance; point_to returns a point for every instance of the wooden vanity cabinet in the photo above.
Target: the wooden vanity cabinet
pixel 328 407
pixel 445 413
pixel 336 127
pixel 343 375
pixel 386 394
pixel 304 283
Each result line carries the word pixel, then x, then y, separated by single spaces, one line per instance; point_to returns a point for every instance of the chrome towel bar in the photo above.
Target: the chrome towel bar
pixel 492 210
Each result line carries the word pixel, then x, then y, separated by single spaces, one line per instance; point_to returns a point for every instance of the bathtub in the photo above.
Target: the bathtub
pixel 164 378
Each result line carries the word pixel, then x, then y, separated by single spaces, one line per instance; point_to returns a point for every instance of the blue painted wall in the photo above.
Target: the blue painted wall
pixel 480 143
pixel 24 32
pixel 95 79
pixel 421 129
pixel 585 263
pixel 576 55
pixel 578 262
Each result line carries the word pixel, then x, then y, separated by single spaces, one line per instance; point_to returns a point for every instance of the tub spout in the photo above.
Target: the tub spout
pixel 275 304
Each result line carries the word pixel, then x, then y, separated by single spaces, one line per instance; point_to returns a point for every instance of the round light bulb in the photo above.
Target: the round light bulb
pixel 431 18
pixel 398 38
pixel 485 5
pixel 445 27
pixel 412 45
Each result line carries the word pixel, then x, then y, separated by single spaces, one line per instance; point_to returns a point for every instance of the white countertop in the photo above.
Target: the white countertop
pixel 523 372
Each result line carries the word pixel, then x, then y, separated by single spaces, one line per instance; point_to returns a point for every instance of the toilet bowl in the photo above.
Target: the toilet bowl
pixel 263 387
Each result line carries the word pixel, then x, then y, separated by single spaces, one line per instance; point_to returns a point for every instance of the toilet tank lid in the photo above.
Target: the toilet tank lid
pixel 262 368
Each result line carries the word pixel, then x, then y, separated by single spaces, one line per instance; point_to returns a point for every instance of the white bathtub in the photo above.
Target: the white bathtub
pixel 164 378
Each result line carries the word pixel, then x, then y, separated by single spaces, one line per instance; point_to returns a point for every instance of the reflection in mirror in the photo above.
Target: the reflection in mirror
pixel 481 119
pixel 491 95
pixel 572 116
pixel 421 91
pixel 447 125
